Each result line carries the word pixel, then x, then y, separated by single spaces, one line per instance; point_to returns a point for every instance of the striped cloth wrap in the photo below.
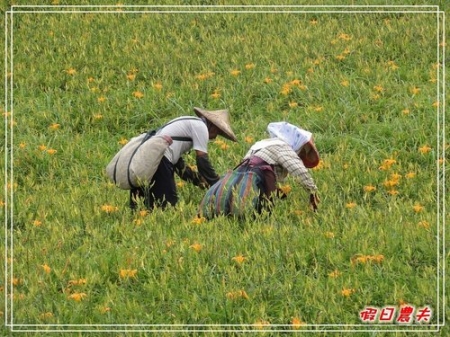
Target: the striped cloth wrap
pixel 238 192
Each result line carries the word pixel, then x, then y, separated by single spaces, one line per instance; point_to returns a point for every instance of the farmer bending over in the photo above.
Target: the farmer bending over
pixel 162 188
pixel 289 150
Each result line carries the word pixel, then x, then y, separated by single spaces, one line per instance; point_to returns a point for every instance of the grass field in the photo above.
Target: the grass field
pixel 80 84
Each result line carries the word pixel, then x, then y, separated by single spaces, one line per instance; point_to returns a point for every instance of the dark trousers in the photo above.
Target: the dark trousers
pixel 160 192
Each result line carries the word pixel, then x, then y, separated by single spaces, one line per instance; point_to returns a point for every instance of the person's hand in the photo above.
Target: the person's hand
pixel 314 201
pixel 203 183
pixel 168 139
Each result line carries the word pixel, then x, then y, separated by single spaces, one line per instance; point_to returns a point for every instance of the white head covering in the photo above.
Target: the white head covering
pixel 289 133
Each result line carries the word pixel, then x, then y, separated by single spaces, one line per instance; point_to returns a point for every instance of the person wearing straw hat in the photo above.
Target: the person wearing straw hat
pixel 195 133
pixel 289 150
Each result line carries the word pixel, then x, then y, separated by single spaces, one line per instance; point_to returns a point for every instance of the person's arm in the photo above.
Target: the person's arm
pixel 205 168
pixel 290 161
pixel 187 174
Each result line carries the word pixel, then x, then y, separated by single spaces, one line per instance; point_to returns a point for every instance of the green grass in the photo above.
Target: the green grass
pixel 364 84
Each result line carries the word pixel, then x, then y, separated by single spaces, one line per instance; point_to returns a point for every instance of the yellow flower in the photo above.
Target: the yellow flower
pixel 369 188
pixel 138 222
pixel 377 258
pixel 54 126
pixel 22 145
pixel 390 183
pixel 219 142
pixel 131 77
pixel 396 176
pixel 138 94
pixel 347 292
pixel 250 66
pixel 46 315
pixel 405 111
pixel 101 99
pixel 415 90
pixel 410 175
pixel 340 57
pixel 392 65
pixel 98 116
pixel 144 213
pixel 360 259
pixel 260 324
pixel 180 184
pixel 198 220
pixel 157 86
pixel 418 208
pixel 378 88
pixel 424 224
pixel 286 189
pixel 104 310
pixel 248 139
pixel 318 108
pixel 239 259
pixel 46 268
pixel 345 37
pixel 233 295
pixel 387 163
pixel 401 302
pixel 196 246
pixel 52 151
pixel 77 296
pixel 16 281
pixel 296 322
pixel 204 76
pixel 286 90
pixel 435 104
pixel 235 72
pixel 123 141
pixel 71 71
pixel 329 235
pixel 345 83
pixel 267 80
pixel 37 223
pixel 350 205
pixel 42 147
pixel 424 149
pixel 334 273
pixel 79 282
pixel 313 22
pixel 127 273
pixel 216 94
pixel 293 104
pixel 393 192
pixel 224 146
pixel 109 208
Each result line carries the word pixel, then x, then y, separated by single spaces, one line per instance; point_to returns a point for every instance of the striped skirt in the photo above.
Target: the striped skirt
pixel 239 192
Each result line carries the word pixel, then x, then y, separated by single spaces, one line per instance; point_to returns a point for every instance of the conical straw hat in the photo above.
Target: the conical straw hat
pixel 220 119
